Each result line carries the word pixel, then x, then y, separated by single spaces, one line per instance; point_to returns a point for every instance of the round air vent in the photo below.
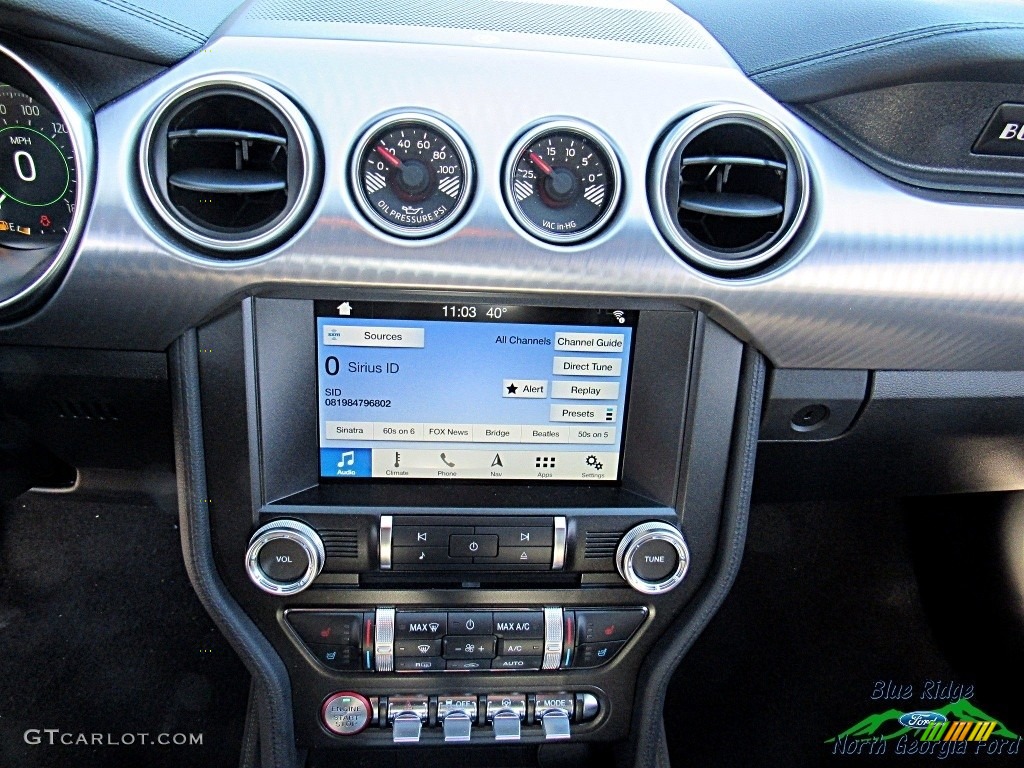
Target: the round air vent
pixel 229 164
pixel 729 189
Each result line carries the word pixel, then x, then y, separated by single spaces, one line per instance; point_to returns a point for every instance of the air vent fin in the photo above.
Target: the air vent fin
pixel 601 544
pixel 229 165
pixel 340 543
pixel 730 189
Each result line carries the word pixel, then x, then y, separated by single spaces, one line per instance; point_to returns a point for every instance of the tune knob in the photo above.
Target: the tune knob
pixel 284 557
pixel 653 558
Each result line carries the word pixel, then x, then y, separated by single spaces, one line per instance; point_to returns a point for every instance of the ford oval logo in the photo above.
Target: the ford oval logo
pixel 921 719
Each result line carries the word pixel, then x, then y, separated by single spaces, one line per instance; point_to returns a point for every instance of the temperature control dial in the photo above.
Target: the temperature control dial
pixel 412 175
pixel 562 182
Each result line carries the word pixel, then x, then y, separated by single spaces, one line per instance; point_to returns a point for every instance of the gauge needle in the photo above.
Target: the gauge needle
pixel 393 161
pixel 546 169
pixel 3 198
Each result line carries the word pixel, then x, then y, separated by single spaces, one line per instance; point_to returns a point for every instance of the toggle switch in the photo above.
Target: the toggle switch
pixel 554 711
pixel 505 713
pixel 457 715
pixel 556 724
pixel 506 724
pixel 407 714
pixel 457 726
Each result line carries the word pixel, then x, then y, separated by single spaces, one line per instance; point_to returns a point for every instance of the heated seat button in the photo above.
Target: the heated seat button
pixel 327 627
pixel 283 560
pixel 340 657
pixel 469 647
pixel 655 560
pixel 596 654
pixel 606 626
pixel 413 625
pixel 473 545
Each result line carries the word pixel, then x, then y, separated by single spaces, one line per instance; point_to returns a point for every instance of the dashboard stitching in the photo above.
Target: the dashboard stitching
pixel 879 43
pixel 155 19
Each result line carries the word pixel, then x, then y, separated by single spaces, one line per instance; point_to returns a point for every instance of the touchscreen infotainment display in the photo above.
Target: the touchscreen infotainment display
pixel 480 392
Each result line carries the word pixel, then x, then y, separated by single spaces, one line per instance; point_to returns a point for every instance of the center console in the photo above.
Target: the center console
pixel 466 520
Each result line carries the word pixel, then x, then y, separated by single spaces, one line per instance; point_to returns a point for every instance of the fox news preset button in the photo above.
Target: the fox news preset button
pixel 566 341
pixel 372 336
pixel 587 366
pixel 585 390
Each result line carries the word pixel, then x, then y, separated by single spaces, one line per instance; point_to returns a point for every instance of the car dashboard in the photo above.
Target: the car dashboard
pixel 460 336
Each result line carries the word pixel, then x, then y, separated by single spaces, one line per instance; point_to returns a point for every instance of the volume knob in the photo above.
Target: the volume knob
pixel 284 557
pixel 653 558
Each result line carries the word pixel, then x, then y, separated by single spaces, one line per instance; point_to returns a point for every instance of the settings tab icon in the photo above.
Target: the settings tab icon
pixel 593 462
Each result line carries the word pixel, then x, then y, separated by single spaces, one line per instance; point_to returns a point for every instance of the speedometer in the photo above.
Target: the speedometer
pixel 38 183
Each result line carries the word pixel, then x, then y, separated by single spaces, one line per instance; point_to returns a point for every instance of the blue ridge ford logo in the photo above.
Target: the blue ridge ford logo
pixel 921 719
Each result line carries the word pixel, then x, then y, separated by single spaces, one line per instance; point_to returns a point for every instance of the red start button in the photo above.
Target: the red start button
pixel 346 713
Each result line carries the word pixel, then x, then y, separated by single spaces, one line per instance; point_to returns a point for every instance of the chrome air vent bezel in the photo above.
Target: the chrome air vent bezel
pixel 666 173
pixel 300 143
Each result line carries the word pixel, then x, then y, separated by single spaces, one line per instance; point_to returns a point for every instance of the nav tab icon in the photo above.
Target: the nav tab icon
pixel 344 309
pixel 497 461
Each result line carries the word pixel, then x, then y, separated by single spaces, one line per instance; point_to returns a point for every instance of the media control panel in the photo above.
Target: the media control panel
pixel 528 543
pixel 476 640
pixel 455 718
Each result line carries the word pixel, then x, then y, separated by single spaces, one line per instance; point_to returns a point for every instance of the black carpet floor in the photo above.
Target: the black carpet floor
pixel 827 625
pixel 102 640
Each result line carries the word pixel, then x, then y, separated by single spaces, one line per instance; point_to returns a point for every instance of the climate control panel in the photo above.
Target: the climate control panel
pixel 477 640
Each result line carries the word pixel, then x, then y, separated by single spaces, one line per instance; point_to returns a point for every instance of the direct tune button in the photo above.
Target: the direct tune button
pixel 284 557
pixel 345 714
pixel 653 558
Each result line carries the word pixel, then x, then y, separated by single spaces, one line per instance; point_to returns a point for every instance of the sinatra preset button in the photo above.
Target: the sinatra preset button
pixel 566 341
pixel 606 414
pixel 372 336
pixel 524 388
pixel 348 430
pixel 587 366
pixel 589 390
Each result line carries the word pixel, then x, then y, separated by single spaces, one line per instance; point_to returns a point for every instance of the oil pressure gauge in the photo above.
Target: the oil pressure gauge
pixel 562 182
pixel 412 175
